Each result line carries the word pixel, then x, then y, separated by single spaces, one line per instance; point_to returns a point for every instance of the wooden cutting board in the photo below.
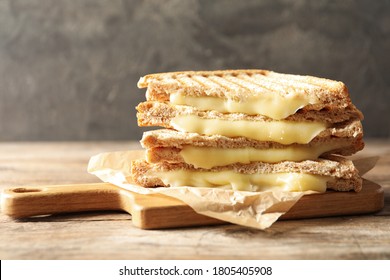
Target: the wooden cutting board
pixel 158 211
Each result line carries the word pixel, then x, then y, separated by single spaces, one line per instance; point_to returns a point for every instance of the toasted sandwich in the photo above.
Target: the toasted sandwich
pixel 245 125
pixel 334 173
pixel 204 151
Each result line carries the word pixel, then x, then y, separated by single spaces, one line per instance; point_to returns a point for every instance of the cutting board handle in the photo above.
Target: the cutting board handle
pixel 19 202
pixel 153 211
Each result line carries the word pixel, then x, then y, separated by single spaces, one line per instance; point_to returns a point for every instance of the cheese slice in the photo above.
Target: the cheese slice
pixel 208 157
pixel 273 105
pixel 244 182
pixel 284 132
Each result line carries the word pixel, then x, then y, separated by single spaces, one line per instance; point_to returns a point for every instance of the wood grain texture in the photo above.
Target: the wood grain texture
pixel 111 235
pixel 157 211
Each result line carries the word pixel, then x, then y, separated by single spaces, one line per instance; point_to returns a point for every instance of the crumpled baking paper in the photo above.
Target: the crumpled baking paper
pixel 238 207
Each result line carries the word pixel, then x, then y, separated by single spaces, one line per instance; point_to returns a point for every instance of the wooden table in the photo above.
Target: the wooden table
pixel 111 235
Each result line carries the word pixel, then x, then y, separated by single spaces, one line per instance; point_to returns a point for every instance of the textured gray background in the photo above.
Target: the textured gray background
pixel 68 69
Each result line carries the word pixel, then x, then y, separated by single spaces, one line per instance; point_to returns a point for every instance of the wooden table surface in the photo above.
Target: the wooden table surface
pixel 111 235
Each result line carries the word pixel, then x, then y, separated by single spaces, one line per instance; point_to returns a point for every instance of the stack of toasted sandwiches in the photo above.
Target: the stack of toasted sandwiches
pixel 249 130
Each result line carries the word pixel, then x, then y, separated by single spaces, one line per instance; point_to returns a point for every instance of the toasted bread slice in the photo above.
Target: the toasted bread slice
pixel 152 113
pixel 162 114
pixel 239 85
pixel 346 135
pixel 344 175
pixel 171 146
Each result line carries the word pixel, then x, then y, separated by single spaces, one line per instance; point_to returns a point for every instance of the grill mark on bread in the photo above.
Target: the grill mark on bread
pixel 330 93
pixel 302 85
pixel 257 82
pixel 202 81
pixel 219 81
pixel 188 81
pixel 182 84
pixel 239 83
pixel 252 86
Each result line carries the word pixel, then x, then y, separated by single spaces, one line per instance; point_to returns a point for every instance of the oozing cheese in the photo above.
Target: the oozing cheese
pixel 245 182
pixel 207 157
pixel 271 105
pixel 284 132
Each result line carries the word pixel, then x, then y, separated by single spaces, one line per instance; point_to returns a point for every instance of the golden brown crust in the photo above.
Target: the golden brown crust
pixel 146 80
pixel 152 113
pixel 348 135
pixel 241 84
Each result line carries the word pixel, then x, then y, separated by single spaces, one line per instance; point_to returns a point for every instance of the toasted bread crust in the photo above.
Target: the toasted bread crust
pixel 342 170
pixel 172 155
pixel 156 116
pixel 146 80
pixel 271 81
pixel 350 134
pixel 238 85
pixel 152 113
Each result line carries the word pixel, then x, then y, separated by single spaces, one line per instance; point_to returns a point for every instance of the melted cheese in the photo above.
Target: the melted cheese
pixel 271 105
pixel 284 132
pixel 245 182
pixel 206 157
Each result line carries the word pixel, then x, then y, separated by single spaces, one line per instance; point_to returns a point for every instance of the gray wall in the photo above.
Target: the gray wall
pixel 68 69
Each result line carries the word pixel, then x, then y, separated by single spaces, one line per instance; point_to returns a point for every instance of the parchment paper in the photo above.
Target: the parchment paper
pixel 238 207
